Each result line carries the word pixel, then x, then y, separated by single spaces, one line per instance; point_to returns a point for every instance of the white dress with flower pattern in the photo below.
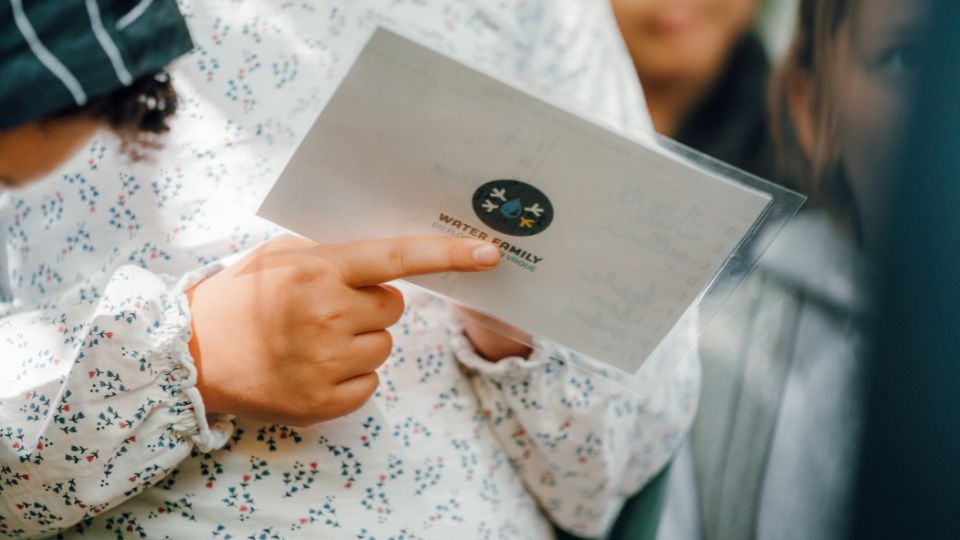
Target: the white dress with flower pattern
pixel 102 433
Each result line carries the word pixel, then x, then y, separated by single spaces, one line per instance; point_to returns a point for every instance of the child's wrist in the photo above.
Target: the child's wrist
pixel 489 343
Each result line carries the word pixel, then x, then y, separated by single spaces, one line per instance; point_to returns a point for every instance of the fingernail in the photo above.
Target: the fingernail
pixel 486 255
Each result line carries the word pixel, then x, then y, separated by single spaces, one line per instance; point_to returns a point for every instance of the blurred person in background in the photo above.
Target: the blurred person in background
pixel 704 74
pixel 778 429
pixel 839 103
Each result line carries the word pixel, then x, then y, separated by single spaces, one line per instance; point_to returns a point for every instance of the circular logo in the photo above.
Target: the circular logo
pixel 513 207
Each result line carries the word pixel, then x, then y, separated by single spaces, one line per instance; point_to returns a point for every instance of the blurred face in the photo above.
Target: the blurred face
pixel 877 67
pixel 679 39
pixel 33 150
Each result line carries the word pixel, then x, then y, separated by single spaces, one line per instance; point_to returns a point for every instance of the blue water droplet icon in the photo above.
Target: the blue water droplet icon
pixel 512 208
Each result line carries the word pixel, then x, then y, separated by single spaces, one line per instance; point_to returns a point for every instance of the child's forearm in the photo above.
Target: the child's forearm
pixel 96 403
pixel 580 441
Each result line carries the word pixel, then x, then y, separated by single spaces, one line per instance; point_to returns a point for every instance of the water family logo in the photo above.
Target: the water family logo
pixel 513 207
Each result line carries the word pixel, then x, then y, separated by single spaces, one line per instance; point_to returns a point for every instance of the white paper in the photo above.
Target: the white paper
pixel 410 135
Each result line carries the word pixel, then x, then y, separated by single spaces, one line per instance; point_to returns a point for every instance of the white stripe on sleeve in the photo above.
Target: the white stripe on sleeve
pixel 133 14
pixel 107 43
pixel 45 56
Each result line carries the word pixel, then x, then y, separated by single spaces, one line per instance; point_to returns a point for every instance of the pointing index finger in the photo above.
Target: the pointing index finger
pixel 372 262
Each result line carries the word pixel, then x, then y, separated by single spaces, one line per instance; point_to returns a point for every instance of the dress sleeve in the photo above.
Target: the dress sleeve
pixel 97 402
pixel 584 438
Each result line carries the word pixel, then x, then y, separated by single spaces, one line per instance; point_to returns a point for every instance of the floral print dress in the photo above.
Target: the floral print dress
pixel 102 433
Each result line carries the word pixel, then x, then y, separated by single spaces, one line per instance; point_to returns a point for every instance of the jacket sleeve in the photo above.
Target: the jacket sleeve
pixel 582 437
pixel 97 402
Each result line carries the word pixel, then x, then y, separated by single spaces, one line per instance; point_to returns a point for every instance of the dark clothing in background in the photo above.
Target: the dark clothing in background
pixel 731 123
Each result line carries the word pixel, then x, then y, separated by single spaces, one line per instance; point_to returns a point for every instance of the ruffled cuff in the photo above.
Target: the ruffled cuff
pixel 208 432
pixel 508 369
pixel 548 358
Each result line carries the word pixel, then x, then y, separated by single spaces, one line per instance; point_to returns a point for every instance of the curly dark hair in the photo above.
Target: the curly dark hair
pixel 143 107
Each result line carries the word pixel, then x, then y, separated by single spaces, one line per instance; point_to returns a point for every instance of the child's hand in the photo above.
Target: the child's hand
pixel 493 339
pixel 293 333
